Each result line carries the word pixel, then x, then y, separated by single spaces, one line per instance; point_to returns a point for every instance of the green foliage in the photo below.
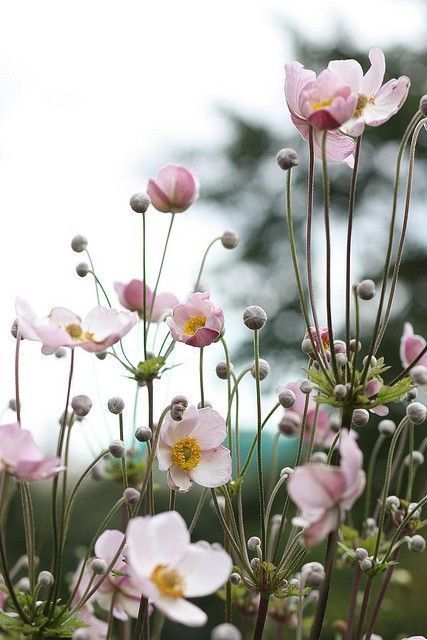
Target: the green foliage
pixel 17 629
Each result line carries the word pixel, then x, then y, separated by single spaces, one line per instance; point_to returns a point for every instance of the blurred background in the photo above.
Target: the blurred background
pixel 94 98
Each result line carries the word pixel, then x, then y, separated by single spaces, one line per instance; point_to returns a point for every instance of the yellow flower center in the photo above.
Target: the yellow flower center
pixel 362 102
pixel 186 453
pixel 193 324
pixel 77 333
pixel 319 105
pixel 168 581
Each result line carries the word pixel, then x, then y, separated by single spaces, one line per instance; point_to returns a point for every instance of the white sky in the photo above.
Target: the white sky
pixel 94 96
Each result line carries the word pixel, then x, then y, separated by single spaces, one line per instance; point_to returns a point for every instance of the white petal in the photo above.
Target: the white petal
pixel 214 468
pixel 179 610
pixel 205 570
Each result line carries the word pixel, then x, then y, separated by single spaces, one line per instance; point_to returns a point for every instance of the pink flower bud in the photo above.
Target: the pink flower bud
pixel 174 189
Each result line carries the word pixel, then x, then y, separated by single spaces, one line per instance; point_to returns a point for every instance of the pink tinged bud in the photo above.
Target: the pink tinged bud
pixel 174 190
pixel 372 388
pixel 22 458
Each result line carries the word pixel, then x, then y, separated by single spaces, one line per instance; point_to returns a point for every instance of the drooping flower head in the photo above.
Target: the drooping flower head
pixel 322 492
pixel 174 190
pixel 293 417
pixel 169 569
pixel 190 450
pixel 131 297
pixel 22 458
pixel 320 102
pixel 100 329
pixel 376 103
pixel 197 322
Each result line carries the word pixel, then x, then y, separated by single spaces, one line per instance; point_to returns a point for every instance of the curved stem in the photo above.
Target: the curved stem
pixel 370 474
pixel 202 266
pixel 161 266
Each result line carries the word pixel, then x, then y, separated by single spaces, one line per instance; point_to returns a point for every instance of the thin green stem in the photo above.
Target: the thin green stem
pixel 202 266
pixel 370 474
pixel 202 390
pixel 259 445
pixel 411 465
pixel 161 266
pixel 351 208
pixel 144 287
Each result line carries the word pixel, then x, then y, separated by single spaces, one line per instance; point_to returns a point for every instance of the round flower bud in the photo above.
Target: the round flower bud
pixel 263 369
pixel 253 543
pixel 373 362
pixel 360 417
pixel 24 585
pixel 306 386
pixel 207 403
pixel 143 434
pixel 365 564
pixel 392 503
pixel 287 158
pixel 287 398
pixel 361 554
pixel 340 391
pixel 416 412
pixel 416 515
pixel 79 243
pixel 307 346
pixel 339 625
pixel 417 458
pixel 412 395
pixel 99 566
pixel 423 105
pixel 226 631
pixel 82 269
pixel 319 457
pixel 81 634
pixel 254 317
pixel 101 355
pixel 417 544
pixel 177 412
pixel 131 495
pixel 355 345
pixel 81 405
pixel 419 374
pixel 370 526
pixel 235 578
pixel 222 370
pixel 140 202
pixel 387 427
pixel 340 346
pixel 117 448
pixel 14 329
pixel 255 563
pixel 314 574
pixel 115 405
pixel 45 578
pixel 229 239
pixel 60 353
pixel 335 422
pixel 294 583
pixel 341 359
pixel 286 472
pixel 366 289
pixel 180 400
pixel 289 424
pixel 12 404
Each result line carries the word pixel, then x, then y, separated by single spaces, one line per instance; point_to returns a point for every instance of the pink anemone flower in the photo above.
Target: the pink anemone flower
pixel 131 297
pixel 197 322
pixel 293 417
pixel 100 329
pixel 371 390
pixel 310 102
pixel 174 190
pixel 169 569
pixel 411 346
pixel 191 451
pixel 22 458
pixel 322 492
pixel 376 103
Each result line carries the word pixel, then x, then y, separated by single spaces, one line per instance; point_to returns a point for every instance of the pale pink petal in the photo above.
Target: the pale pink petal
pixel 214 468
pixel 163 303
pixel 179 610
pixel 174 189
pixel 349 72
pixel 410 346
pixel 375 75
pixel 372 388
pixel 380 410
pixel 107 544
pixel 159 198
pixel 315 487
pixel 61 317
pixel 30 470
pixel 296 79
pixel 173 430
pixel 205 570
pixel 351 461
pixel 210 431
pixel 178 480
pixel 318 531
pixel 202 338
pixel 387 101
pixel 164 456
pixel 339 147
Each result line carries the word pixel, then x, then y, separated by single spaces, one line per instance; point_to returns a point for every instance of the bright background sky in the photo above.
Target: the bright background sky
pixel 94 97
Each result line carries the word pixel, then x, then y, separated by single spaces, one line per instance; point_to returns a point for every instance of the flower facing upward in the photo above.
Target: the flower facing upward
pixel 322 492
pixel 169 569
pixel 319 102
pixel 174 190
pixel 191 450
pixel 376 103
pixel 131 297
pixel 22 458
pixel 294 416
pixel 197 322
pixel 100 329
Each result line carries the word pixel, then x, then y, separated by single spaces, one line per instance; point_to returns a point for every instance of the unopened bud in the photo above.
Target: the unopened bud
pixel 287 158
pixel 370 526
pixel 366 289
pixel 360 417
pixel 263 369
pixel 416 412
pixel 286 472
pixel 319 457
pixel 82 269
pixel 412 395
pixel 387 427
pixel 99 566
pixel 289 424
pixel 14 329
pixel 143 434
pixel 140 202
pixel 222 370
pixel 417 458
pixel 341 359
pixel 307 346
pixel 117 448
pixel 419 374
pixel 24 585
pixel 226 631
pixel 255 563
pixel 253 543
pixel 235 578
pixel 372 363
pixel 254 317
pixel 81 405
pixel 229 239
pixel 79 243
pixel 294 583
pixel 355 345
pixel 340 391
pixel 12 404
pixel 417 544
pixel 340 346
pixel 287 398
pixel 182 400
pixel 131 495
pixel 335 422
pixel 361 554
pixel 206 403
pixel 306 386
pixel 45 579
pixel 392 503
pixel 365 564
pixel 314 574
pixel 115 405
pixel 414 510
pixel 423 105
pixel 60 353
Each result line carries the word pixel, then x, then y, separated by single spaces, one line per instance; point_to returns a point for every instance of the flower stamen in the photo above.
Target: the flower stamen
pixel 194 324
pixel 186 453
pixel 168 581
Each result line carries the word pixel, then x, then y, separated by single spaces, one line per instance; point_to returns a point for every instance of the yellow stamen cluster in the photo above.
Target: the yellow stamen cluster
pixel 168 581
pixel 77 333
pixel 193 324
pixel 186 453
pixel 362 102
pixel 319 105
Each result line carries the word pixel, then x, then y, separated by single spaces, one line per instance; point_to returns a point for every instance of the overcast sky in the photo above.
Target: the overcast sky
pixel 93 96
